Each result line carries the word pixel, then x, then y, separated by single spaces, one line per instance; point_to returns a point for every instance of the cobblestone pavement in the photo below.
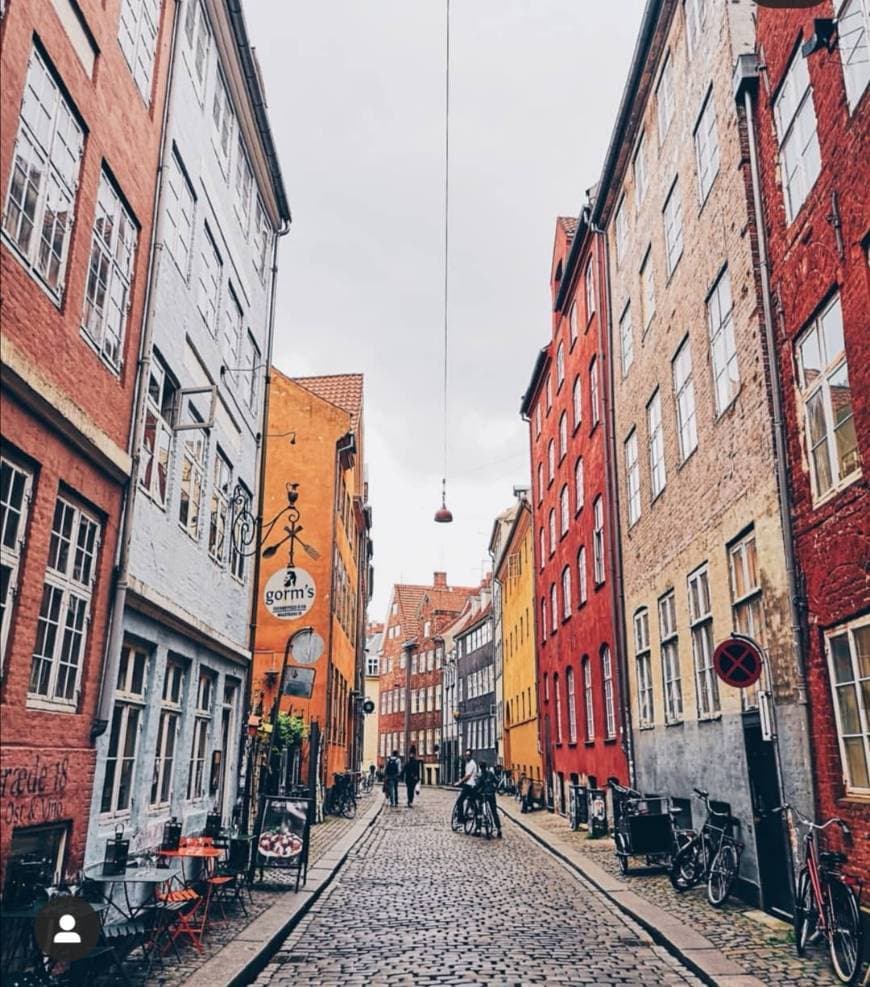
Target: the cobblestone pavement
pixel 174 974
pixel 418 904
pixel 767 953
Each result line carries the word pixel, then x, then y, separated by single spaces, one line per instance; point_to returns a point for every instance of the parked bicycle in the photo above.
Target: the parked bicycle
pixel 825 906
pixel 711 855
pixel 340 800
pixel 645 827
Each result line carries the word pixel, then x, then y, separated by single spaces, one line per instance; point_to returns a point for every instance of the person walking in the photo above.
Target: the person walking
pixel 392 771
pixel 411 775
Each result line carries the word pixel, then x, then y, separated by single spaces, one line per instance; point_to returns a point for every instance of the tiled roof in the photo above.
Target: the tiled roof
pixel 569 225
pixel 408 597
pixel 345 391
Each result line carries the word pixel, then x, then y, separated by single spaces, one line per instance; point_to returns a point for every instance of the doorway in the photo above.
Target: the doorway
pixel 774 863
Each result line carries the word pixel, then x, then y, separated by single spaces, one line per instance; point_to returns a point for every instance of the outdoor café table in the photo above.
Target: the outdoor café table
pixel 134 875
pixel 207 853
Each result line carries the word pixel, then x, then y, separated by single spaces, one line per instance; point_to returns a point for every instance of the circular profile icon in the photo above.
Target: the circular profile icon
pixel 67 928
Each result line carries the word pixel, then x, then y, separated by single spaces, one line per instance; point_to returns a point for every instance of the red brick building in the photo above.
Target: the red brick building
pixel 812 117
pixel 583 736
pixel 83 97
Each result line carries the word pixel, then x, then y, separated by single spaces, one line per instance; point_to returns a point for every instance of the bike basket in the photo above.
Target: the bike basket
pixel 651 834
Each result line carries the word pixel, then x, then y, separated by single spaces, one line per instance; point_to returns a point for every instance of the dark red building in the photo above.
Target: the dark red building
pixel 812 117
pixel 83 96
pixel 583 735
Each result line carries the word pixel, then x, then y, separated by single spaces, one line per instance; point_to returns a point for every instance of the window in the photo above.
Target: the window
pixel 262 234
pixel 40 201
pixel 224 124
pixel 572 705
pixel 15 486
pixel 220 494
pixel 538 419
pixel 598 541
pixel 157 436
pixel 621 225
pixel 673 219
pixel 179 213
pixel 201 725
pixel 563 436
pixel 670 658
pixel 577 401
pixel 252 368
pixel 110 270
pixel 540 482
pixel 656 445
pixel 696 11
pixel 723 351
pixel 626 339
pixel 587 694
pixel 237 560
pixel 701 623
pixel 590 289
pixel 551 523
pixel 167 733
pixel 549 395
pixel 647 290
pixel 244 188
pixel 800 160
pixel 593 391
pixel 543 539
pixel 137 35
pixel 853 32
pixel 567 601
pixel 665 98
pixel 582 589
pixel 823 379
pixel 557 696
pixel 745 588
pixel 543 619
pixel 124 731
pixel 551 460
pixel 641 179
pixel 848 651
pixel 684 394
pixel 572 322
pixel 560 365
pixel 579 492
pixel 192 475
pixel 210 275
pixel 61 634
pixel 632 477
pixel 706 147
pixel 607 682
pixel 199 41
pixel 564 510
pixel 643 667
pixel 231 332
pixel 554 608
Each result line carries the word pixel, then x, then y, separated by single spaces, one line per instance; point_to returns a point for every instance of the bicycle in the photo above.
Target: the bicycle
pixel 712 854
pixel 341 799
pixel 825 905
pixel 478 816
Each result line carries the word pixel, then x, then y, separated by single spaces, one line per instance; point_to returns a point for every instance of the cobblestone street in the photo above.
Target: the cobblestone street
pixel 418 904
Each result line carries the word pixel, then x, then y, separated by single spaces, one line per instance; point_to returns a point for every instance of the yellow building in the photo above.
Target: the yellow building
pixel 515 579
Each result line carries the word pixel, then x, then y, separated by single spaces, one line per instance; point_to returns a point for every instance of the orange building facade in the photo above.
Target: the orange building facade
pixel 315 441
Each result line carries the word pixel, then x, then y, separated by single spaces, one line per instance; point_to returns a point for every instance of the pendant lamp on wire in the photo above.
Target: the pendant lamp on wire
pixel 443 514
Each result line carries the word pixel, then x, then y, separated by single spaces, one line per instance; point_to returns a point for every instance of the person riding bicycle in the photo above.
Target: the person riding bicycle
pixel 468 783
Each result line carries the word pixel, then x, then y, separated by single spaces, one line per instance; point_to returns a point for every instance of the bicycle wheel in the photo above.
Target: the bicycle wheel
pixel 488 825
pixel 804 913
pixel 348 807
pixel 456 819
pixel 470 819
pixel 723 872
pixel 845 930
pixel 688 866
pixel 622 851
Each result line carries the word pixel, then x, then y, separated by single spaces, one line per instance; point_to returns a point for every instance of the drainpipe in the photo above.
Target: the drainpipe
pixel 618 587
pixel 746 76
pixel 115 636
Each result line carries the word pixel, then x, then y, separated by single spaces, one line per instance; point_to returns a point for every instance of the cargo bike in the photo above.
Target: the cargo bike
pixel 645 827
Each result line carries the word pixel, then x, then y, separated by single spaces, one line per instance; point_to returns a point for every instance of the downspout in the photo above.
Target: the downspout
pixel 115 636
pixel 746 75
pixel 617 585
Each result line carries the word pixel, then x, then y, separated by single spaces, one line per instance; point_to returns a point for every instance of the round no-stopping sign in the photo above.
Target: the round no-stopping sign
pixel 738 662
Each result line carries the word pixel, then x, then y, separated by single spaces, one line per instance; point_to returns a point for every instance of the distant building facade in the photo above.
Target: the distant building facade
pixel 372 694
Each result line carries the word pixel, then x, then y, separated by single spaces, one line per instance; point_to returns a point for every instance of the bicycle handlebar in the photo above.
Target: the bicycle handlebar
pixel 811 823
pixel 701 793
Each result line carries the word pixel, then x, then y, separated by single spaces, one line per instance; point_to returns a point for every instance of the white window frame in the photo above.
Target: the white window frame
pixel 670 654
pixel 168 733
pixel 641 178
pixel 854 685
pixel 252 369
pixel 589 282
pixel 607 688
pixel 548 387
pixel 224 124
pixel 701 626
pixel 665 99
pixel 554 608
pixel 684 399
pixel 643 669
pixel 180 214
pixel 626 340
pixel 158 433
pixel 598 541
pixel 577 401
pixel 818 405
pixel 567 596
pixel 579 485
pixel 571 699
pixel 209 280
pixel 647 290
pixel 70 574
pixel 593 391
pixel 655 431
pixel 194 456
pixel 244 188
pixel 564 509
pixel 232 331
pixel 48 151
pixel 222 476
pixel 110 274
pixel 582 583
pixel 632 478
pixel 138 26
pixel 557 696
pixel 563 435
pixel 560 365
pixel 696 13
pixel 706 147
pixel 672 218
pixel 540 482
pixel 853 43
pixel 129 705
pixel 797 130
pixel 573 322
pixel 551 528
pixel 589 699
pixel 538 418
pixel 197 782
pixel 199 42
pixel 543 540
pixel 551 461
pixel 15 499
pixel 723 347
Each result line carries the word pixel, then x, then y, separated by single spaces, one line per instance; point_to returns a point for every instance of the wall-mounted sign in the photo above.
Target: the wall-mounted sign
pixel 306 646
pixel 369 707
pixel 298 682
pixel 289 593
pixel 738 661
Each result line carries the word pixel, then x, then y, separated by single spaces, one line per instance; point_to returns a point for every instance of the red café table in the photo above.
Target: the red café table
pixel 208 853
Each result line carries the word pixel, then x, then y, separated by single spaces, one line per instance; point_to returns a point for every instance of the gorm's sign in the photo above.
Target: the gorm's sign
pixel 290 593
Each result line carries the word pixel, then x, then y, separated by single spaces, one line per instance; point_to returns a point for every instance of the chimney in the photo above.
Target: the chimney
pixel 440 580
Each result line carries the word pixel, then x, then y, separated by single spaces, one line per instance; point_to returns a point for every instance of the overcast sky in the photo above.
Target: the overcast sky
pixel 356 100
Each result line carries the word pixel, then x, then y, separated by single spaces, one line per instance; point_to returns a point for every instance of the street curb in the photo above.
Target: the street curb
pixel 695 951
pixel 242 959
